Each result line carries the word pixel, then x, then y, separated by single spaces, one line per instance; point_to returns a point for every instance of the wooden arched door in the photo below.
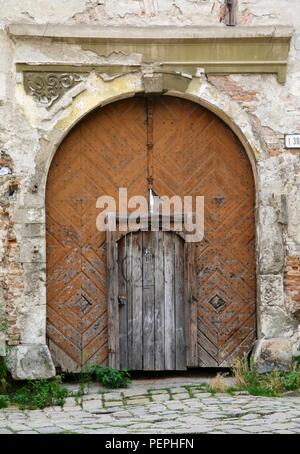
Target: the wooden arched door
pixel 179 148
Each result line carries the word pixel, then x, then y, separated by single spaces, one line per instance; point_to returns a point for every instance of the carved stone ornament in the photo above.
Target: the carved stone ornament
pixel 47 88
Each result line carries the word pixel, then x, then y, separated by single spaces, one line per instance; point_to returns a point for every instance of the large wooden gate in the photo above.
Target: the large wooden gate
pixel 177 148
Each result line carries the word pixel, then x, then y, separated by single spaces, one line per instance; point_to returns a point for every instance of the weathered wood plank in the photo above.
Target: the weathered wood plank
pixel 123 335
pixel 61 357
pixel 169 267
pixel 137 303
pixel 179 305
pixel 159 302
pixel 190 299
pixel 208 346
pixel 187 302
pixel 205 359
pixel 128 275
pixel 112 300
pixel 148 301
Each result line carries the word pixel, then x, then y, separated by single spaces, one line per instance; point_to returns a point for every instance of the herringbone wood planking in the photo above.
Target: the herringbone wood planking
pixel 107 150
pixel 195 153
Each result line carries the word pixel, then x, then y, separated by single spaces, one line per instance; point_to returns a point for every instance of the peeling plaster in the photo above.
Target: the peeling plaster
pixel 207 92
pixel 98 92
pixel 48 52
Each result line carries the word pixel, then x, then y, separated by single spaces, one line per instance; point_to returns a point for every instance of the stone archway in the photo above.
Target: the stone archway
pixel 200 92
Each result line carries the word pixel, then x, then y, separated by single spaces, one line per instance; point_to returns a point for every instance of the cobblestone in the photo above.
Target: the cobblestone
pixel 160 397
pixel 203 413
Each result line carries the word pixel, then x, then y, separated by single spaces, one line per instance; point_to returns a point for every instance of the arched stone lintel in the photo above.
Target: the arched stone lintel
pixel 198 90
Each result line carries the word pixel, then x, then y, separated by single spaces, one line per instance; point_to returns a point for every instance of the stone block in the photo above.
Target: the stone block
pixel 294 213
pixel 32 251
pixel 113 403
pixel 160 397
pixel 271 290
pixel 34 324
pixel 153 83
pixel 283 217
pixel 276 322
pixel 138 401
pixel 112 396
pixel 25 216
pixel 273 354
pixel 92 405
pixel 271 249
pixel 29 362
pixel 34 230
pixel 271 255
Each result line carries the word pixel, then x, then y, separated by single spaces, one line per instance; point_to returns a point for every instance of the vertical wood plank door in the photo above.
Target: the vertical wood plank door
pixel 151 302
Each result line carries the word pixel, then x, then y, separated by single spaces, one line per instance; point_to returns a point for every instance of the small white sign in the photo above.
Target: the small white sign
pixel 292 140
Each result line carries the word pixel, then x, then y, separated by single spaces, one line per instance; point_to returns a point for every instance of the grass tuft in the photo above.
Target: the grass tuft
pixel 36 394
pixel 218 384
pixel 270 384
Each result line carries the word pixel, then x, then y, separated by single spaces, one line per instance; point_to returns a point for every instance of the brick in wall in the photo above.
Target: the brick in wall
pixel 292 282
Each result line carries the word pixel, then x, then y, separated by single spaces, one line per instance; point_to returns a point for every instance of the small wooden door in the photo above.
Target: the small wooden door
pixel 151 300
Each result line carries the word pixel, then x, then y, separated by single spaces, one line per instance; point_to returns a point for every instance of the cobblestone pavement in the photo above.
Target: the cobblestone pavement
pixel 179 409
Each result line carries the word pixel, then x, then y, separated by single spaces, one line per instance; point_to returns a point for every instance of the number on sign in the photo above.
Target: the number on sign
pixel 292 140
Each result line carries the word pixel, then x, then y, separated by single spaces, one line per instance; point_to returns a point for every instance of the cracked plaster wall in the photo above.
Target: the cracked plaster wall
pixel 144 12
pixel 272 110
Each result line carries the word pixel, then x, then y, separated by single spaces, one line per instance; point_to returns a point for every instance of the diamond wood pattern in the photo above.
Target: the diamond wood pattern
pixel 107 150
pixel 195 153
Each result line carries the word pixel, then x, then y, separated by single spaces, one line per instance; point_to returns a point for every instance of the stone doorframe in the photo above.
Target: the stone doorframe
pixel 31 359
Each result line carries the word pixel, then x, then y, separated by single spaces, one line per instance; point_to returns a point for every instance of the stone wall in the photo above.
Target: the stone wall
pixel 260 107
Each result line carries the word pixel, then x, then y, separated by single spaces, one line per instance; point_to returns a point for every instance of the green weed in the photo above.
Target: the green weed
pixel 3 376
pixel 4 401
pixel 107 376
pixel 292 379
pixel 110 377
pixel 3 369
pixel 39 394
